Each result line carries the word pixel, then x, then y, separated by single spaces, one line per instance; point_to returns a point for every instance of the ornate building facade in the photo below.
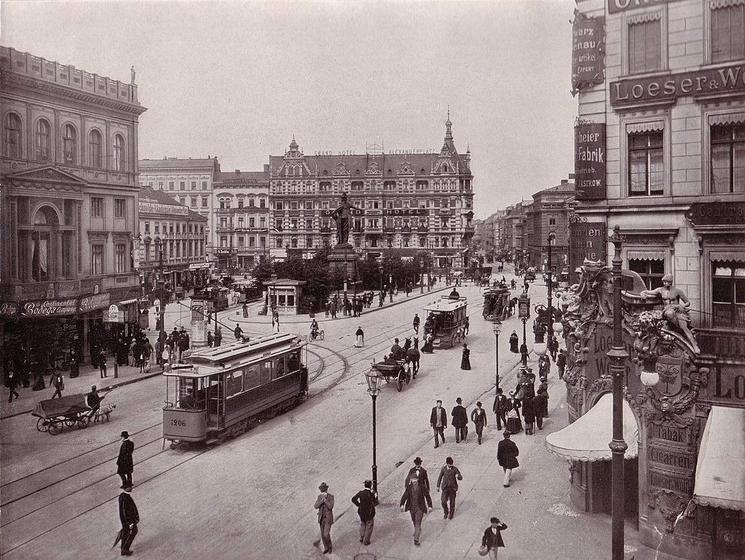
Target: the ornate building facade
pixel 68 201
pixel 411 202
pixel 242 218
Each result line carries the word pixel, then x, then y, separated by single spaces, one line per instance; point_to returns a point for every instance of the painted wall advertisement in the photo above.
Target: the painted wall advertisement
pixel 588 52
pixel 587 240
pixel 589 161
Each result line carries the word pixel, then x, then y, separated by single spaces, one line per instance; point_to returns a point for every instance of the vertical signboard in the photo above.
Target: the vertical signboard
pixel 589 161
pixel 588 52
pixel 587 240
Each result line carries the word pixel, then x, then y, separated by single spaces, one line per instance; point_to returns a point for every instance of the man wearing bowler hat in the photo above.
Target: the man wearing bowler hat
pixel 325 506
pixel 124 463
pixel 366 500
pixel 129 517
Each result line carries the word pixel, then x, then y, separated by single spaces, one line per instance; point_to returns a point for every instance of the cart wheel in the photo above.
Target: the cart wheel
pixel 400 384
pixel 55 427
pixel 42 425
pixel 83 422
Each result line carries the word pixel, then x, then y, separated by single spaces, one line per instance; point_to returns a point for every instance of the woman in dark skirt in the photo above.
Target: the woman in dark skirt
pixel 514 425
pixel 514 342
pixel 529 414
pixel 465 362
pixel 428 346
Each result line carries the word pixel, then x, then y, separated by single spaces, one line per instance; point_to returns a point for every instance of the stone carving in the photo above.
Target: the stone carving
pixel 676 309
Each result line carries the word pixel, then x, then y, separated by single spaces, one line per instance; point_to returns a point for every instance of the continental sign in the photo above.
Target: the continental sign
pixel 617 6
pixel 708 82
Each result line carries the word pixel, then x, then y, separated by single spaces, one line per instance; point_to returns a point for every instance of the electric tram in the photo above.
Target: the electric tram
pixel 220 392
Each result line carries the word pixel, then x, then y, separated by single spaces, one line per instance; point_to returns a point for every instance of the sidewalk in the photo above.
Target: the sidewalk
pixel 536 507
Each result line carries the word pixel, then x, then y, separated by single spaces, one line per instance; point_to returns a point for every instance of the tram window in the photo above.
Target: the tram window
pixel 234 383
pixel 279 367
pixel 293 361
pixel 266 372
pixel 252 377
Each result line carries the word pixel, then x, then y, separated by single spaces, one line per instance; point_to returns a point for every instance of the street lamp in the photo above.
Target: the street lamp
pixel 373 388
pixel 551 239
pixel 617 369
pixel 497 328
pixel 380 299
pixel 523 309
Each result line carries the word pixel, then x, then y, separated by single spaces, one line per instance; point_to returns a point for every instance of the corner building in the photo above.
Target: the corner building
pixel 68 206
pixel 660 153
pixel 412 202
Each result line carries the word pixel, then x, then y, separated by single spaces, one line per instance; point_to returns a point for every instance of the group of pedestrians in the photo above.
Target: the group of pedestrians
pixel 438 420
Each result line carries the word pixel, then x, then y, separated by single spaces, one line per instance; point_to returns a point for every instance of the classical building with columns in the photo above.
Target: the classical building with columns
pixel 68 203
pixel 411 201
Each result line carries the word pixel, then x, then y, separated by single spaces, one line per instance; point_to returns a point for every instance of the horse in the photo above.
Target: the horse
pixel 413 355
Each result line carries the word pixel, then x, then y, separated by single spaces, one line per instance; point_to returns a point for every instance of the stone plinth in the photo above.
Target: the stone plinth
pixel 341 260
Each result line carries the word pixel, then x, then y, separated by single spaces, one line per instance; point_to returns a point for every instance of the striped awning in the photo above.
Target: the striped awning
pixel 651 255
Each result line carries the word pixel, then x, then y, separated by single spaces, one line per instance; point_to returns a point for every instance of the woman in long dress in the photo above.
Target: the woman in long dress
pixel 465 362
pixel 359 338
pixel 514 425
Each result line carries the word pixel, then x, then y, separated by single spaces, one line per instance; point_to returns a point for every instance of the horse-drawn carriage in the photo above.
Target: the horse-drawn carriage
pixel 396 371
pixel 496 303
pixel 446 321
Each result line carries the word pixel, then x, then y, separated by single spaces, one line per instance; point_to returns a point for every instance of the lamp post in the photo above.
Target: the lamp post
pixel 523 309
pixel 617 368
pixel 551 238
pixel 373 388
pixel 497 328
pixel 161 294
pixel 380 300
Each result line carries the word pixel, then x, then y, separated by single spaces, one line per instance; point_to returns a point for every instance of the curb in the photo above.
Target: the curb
pixel 114 386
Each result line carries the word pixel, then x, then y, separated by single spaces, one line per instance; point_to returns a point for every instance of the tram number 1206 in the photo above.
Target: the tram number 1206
pixel 178 422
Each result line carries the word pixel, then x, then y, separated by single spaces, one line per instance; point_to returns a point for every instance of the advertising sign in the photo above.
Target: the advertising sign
pixel 666 88
pixel 97 301
pixel 8 309
pixel 588 52
pixel 587 240
pixel 589 161
pixel 717 213
pixel 617 6
pixel 50 307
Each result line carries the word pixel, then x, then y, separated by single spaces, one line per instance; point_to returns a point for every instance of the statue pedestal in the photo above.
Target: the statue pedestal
pixel 342 260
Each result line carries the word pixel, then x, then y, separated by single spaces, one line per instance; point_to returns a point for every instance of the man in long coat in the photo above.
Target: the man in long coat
pixel 129 517
pixel 325 506
pixel 500 408
pixel 460 421
pixel 125 463
pixel 366 500
pixel 417 501
pixel 507 453
pixel 438 419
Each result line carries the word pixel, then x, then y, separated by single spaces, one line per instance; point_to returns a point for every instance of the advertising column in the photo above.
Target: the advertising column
pixel 198 326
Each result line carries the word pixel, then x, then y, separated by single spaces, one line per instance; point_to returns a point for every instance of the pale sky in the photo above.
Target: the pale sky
pixel 238 79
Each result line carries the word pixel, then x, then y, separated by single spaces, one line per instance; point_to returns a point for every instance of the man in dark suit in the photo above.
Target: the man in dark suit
pixel 417 501
pixel 366 500
pixel 325 506
pixel 448 483
pixel 438 419
pixel 460 421
pixel 419 472
pixel 125 463
pixel 492 538
pixel 507 453
pixel 500 409
pixel 130 517
pixel 478 417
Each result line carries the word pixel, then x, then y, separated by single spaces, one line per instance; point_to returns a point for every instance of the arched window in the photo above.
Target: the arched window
pixel 95 153
pixel 12 136
pixel 69 144
pixel 43 140
pixel 119 163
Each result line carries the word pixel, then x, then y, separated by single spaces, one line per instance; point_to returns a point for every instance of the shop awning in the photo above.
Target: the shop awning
pixel 720 470
pixel 587 438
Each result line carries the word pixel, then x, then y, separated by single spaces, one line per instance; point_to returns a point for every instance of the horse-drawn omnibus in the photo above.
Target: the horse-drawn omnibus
pixel 219 392
pixel 446 320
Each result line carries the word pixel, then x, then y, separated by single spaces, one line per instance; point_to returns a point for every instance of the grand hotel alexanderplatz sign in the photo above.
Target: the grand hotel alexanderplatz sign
pixel 666 88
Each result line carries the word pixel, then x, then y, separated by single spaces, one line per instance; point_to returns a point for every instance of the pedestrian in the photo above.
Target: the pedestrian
pixel 102 363
pixel 275 325
pixel 420 472
pixel 544 366
pixel 465 362
pixel 124 463
pixel 438 419
pixel 93 400
pixel 210 339
pixel 478 417
pixel 417 501
pixel 513 424
pixel 325 506
pixel 59 384
pixel 359 338
pixel 366 500
pixel 397 353
pixel 129 517
pixel 460 421
pixel 514 341
pixel 492 539
pixel 500 409
pixel 553 347
pixel 428 346
pixel 524 354
pixel 218 336
pixel 540 406
pixel 12 384
pixel 528 414
pixel 238 332
pixel 561 362
pixel 507 453
pixel 416 323
pixel 245 310
pixel 447 484
pixel 465 326
pixel 74 364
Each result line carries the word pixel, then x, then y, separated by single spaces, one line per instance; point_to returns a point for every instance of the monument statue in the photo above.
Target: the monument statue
pixel 675 307
pixel 343 218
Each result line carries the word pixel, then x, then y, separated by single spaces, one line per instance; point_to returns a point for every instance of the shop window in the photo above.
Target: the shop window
pixel 96 259
pixel 43 140
pixel 646 171
pixel 727 31
pixel 120 163
pixel 69 144
pixel 120 252
pixel 97 207
pixel 728 294
pixel 728 158
pixel 645 46
pixel 651 271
